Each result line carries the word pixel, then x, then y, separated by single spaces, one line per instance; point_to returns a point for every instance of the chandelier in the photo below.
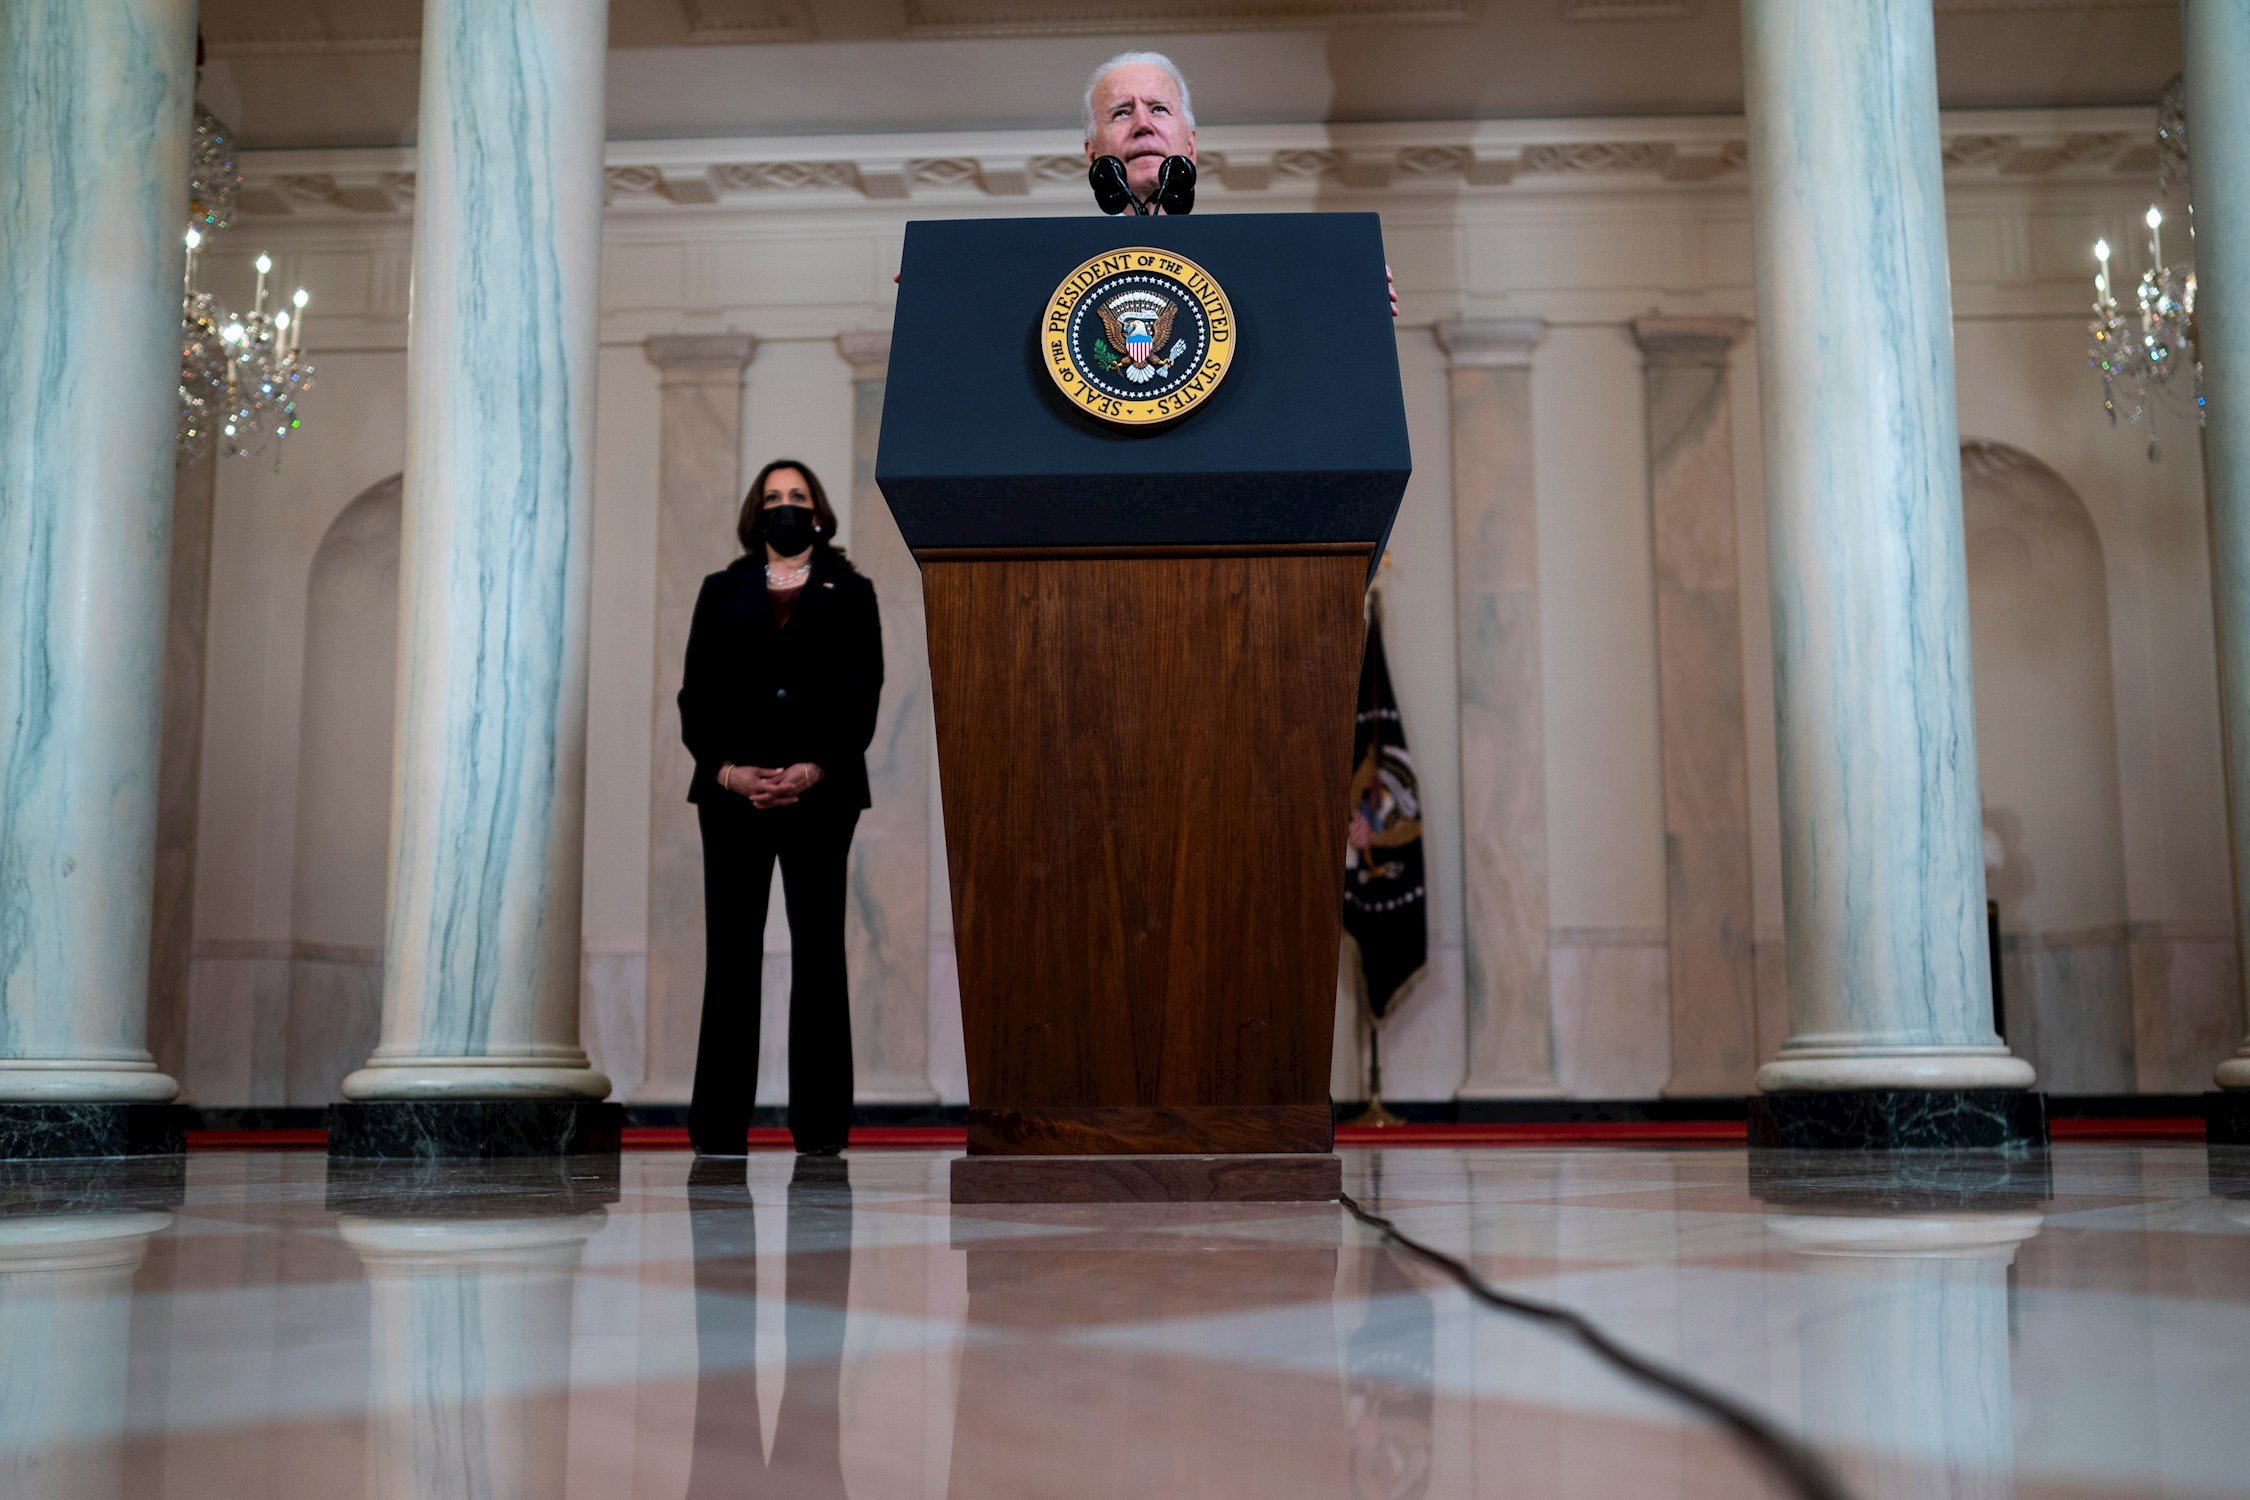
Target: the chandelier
pixel 240 373
pixel 2140 346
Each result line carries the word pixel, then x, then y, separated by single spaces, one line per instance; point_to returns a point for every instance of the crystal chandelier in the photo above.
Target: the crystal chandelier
pixel 2139 347
pixel 240 373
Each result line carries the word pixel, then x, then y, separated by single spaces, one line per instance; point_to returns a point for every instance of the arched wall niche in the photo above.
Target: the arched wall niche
pixel 2047 763
pixel 343 794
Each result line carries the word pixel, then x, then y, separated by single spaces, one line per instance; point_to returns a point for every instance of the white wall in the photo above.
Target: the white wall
pixel 1586 251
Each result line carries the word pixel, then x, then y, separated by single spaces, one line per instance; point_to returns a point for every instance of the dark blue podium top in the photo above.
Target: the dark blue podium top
pixel 1303 441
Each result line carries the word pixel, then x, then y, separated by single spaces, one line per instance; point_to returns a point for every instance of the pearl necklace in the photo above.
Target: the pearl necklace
pixel 787 578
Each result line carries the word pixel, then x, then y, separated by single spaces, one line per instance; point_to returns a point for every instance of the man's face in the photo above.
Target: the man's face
pixel 1137 119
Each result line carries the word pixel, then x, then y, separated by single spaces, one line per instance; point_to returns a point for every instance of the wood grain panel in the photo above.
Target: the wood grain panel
pixel 1145 764
pixel 1153 1128
pixel 1267 1178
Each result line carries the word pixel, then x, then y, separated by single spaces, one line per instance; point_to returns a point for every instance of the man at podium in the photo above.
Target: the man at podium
pixel 1138 112
pixel 1143 578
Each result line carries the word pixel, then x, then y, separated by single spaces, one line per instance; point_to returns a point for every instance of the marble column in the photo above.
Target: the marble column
pixel 1503 747
pixel 698 497
pixel 2216 40
pixel 470 1351
pixel 93 148
pixel 1709 921
pixel 66 1322
pixel 1904 1347
pixel 889 928
pixel 1882 872
pixel 481 956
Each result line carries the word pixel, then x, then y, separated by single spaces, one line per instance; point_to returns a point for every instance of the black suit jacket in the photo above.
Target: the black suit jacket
pixel 756 694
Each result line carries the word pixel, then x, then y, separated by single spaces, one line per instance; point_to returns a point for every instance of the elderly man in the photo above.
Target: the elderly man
pixel 1138 110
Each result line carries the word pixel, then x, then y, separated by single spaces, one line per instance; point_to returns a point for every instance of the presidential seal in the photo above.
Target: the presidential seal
pixel 1138 335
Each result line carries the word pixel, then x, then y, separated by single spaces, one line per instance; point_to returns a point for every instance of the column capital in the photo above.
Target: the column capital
pixel 1490 342
pixel 701 356
pixel 1700 340
pixel 866 350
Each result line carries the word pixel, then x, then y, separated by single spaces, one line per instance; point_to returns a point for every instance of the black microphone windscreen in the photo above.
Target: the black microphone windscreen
pixel 1175 186
pixel 1107 177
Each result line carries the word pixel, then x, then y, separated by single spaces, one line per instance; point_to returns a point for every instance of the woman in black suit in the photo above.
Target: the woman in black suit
pixel 777 705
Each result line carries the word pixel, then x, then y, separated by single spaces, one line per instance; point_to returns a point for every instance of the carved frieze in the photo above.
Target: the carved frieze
pixel 1390 159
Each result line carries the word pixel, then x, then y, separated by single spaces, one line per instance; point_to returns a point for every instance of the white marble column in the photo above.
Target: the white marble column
pixel 470 1352
pixel 2216 40
pixel 94 150
pixel 481 961
pixel 1903 1347
pixel 1709 920
pixel 1882 876
pixel 66 1322
pixel 698 498
pixel 889 926
pixel 1503 728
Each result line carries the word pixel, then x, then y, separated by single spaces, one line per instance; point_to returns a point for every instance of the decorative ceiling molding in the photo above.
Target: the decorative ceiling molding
pixel 2034 7
pixel 989 18
pixel 729 22
pixel 1632 10
pixel 259 28
pixel 1443 158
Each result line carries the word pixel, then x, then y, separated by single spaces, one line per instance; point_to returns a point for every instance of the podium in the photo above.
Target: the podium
pixel 1144 652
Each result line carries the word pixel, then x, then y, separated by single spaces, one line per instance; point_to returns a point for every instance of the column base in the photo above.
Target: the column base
pixel 1276 1177
pixel 2226 1117
pixel 458 1129
pixel 1816 1067
pixel 51 1131
pixel 565 1076
pixel 47 1080
pixel 1899 1120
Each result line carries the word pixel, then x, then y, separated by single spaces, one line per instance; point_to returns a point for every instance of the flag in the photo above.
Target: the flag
pixel 1386 909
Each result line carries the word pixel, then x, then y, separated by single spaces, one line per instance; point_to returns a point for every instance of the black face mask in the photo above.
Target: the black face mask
pixel 788 529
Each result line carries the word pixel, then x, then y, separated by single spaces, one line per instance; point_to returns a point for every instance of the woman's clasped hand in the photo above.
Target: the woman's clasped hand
pixel 774 786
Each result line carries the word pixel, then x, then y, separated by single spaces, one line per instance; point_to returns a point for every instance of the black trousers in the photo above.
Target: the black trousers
pixel 740 845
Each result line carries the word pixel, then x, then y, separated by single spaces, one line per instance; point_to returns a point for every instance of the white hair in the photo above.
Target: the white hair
pixel 1127 60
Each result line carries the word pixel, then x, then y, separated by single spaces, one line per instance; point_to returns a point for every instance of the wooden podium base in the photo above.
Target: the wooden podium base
pixel 1146 764
pixel 1293 1177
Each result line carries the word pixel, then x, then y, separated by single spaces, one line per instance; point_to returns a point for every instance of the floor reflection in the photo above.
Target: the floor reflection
pixel 254 1326
pixel 72 1235
pixel 1150 1349
pixel 1907 1367
pixel 1390 1378
pixel 471 1268
pixel 729 1457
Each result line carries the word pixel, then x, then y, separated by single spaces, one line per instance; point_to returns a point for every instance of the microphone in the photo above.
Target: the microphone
pixel 1111 194
pixel 1175 187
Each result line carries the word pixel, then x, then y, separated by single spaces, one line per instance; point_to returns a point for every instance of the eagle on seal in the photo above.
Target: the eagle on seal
pixel 1136 330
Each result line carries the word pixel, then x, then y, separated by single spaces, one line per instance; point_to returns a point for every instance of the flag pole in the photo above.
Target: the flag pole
pixel 1375 1114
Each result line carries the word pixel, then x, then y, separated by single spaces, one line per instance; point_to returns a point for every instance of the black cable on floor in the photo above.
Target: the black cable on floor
pixel 1797 1465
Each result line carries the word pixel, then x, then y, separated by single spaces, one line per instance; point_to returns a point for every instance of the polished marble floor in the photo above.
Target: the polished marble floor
pixel 258 1326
